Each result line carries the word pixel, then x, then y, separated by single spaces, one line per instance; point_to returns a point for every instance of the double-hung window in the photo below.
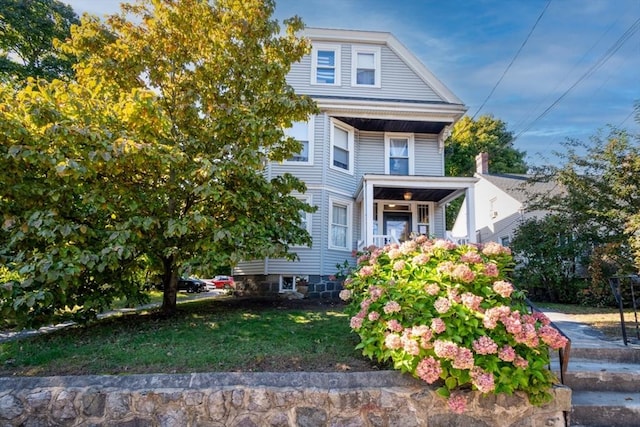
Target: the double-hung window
pixel 399 154
pixel 303 133
pixel 342 137
pixel 340 222
pixel 365 66
pixel 325 65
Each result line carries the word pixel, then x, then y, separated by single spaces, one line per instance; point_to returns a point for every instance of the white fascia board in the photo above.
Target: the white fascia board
pixel 385 38
pixel 391 110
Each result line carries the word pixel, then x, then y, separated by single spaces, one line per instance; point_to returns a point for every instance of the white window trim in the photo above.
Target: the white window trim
pixel 349 206
pixel 350 142
pixel 310 134
pixel 354 64
pixel 388 136
pixel 308 199
pixel 336 48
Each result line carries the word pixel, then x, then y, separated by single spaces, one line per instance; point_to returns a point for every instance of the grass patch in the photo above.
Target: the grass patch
pixel 229 335
pixel 604 319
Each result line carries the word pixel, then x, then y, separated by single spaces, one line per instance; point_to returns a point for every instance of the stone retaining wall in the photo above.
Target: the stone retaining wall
pixel 304 399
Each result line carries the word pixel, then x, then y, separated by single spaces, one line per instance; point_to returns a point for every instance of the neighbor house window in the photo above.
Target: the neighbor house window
pixel 365 66
pixel 341 147
pixel 303 133
pixel 398 150
pixel 340 221
pixel 325 65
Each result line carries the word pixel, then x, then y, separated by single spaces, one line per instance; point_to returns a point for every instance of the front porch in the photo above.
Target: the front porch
pixel 393 208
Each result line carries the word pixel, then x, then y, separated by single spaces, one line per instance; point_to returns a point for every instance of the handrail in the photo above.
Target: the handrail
pixel 563 353
pixel 615 283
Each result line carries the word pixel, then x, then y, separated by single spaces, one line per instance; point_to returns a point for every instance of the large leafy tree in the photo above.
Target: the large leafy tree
pixel 489 135
pixel 469 138
pixel 155 154
pixel 600 202
pixel 28 33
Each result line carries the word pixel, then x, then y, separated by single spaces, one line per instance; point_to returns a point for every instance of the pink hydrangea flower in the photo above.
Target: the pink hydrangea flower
pixel 407 247
pixel 491 270
pixel 408 344
pixel 445 349
pixel 463 273
pixel 393 341
pixel 421 259
pixel 521 362
pixel 446 267
pixel 463 359
pixel 432 288
pixel 457 403
pixel 483 381
pixel 373 316
pixel 552 337
pixel 399 265
pixel 502 288
pixel 394 326
pixel 429 370
pixel 442 305
pixel 345 294
pixel 507 353
pixel 356 322
pixel 394 253
pixel 471 257
pixel 392 307
pixel 493 248
pixel 366 271
pixel 485 345
pixel 444 244
pixel 471 301
pixel 375 292
pixel 438 326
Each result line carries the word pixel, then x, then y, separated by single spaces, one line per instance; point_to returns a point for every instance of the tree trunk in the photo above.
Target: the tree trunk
pixel 170 286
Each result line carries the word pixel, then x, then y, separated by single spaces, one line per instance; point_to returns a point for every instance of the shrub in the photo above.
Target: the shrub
pixel 445 313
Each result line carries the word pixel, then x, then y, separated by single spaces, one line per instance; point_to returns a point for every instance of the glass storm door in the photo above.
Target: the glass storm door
pixel 397 225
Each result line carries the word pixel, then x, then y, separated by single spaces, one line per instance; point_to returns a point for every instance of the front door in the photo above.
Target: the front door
pixel 397 225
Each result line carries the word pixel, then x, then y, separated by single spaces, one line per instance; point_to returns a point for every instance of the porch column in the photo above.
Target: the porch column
pixel 471 214
pixel 368 213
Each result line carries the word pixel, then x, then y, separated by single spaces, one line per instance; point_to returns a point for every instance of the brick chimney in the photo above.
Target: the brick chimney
pixel 482 163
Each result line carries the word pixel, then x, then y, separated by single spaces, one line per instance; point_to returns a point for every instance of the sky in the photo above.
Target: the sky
pixel 552 70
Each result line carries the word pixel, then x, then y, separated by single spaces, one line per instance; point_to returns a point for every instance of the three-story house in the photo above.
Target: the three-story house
pixel 372 159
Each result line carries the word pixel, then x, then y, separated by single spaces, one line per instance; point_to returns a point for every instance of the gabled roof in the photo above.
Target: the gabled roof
pixel 521 187
pixel 388 39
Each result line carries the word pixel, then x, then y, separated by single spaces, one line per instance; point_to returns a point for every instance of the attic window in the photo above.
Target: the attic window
pixel 365 66
pixel 325 65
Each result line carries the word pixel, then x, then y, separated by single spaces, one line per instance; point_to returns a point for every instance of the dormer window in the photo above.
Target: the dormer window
pixel 365 66
pixel 325 65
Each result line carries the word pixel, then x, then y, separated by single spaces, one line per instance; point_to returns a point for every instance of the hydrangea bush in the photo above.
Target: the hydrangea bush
pixel 446 313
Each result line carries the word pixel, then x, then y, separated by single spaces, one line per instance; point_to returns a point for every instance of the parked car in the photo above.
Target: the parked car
pixel 189 284
pixel 221 282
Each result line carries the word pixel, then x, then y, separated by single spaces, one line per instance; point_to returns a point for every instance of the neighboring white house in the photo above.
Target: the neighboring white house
pixel 500 205
pixel 373 158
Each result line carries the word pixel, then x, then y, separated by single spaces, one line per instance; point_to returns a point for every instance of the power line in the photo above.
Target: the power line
pixel 606 56
pixel 512 60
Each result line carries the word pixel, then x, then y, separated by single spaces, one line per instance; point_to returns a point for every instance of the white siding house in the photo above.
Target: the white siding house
pixel 373 158
pixel 500 205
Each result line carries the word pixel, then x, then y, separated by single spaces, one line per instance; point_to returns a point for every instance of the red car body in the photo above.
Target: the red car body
pixel 222 282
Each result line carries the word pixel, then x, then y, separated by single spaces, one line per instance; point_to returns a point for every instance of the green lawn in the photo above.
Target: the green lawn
pixel 206 336
pixel 221 334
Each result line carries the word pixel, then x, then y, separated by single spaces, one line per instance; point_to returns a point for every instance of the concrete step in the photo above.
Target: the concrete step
pixel 590 375
pixel 604 409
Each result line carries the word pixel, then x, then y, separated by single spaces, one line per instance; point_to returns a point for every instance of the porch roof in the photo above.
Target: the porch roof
pixel 437 189
pixel 388 125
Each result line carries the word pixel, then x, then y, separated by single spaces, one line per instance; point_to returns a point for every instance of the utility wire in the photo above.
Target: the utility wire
pixel 512 60
pixel 607 55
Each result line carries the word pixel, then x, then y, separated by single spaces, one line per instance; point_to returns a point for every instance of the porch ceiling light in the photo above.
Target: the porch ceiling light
pixel 408 195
